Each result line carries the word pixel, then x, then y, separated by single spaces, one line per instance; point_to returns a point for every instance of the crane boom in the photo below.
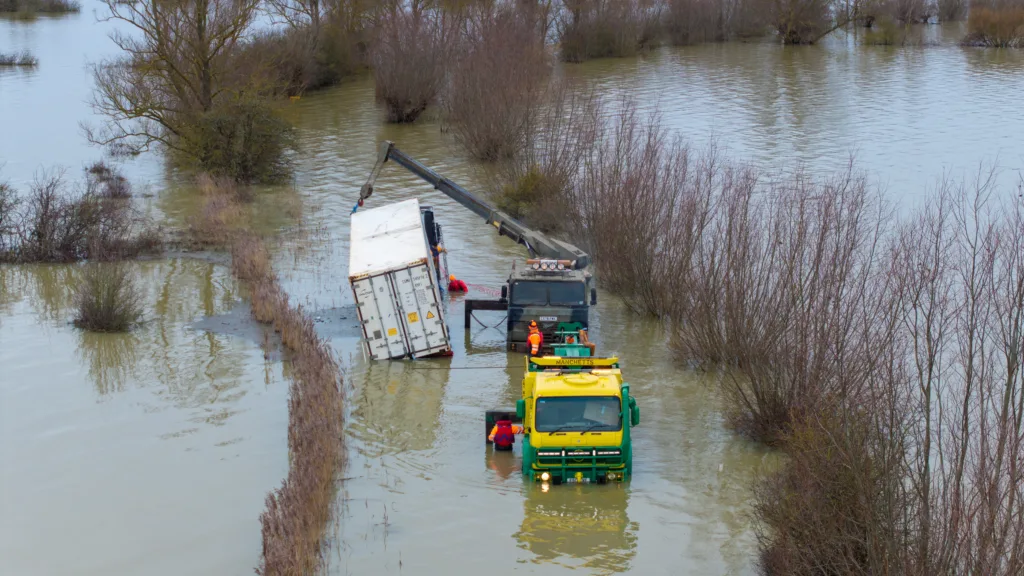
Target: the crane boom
pixel 538 244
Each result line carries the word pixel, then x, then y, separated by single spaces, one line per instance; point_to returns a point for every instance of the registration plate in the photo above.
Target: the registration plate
pixel 572 480
pixel 549 318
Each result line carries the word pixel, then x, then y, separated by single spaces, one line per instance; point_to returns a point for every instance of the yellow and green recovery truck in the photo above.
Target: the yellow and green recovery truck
pixel 576 413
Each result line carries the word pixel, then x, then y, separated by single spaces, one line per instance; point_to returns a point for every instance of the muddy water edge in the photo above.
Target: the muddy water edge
pixel 152 452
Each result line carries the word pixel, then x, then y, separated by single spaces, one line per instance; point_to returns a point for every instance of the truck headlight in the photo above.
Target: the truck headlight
pixel 544 476
pixel 611 476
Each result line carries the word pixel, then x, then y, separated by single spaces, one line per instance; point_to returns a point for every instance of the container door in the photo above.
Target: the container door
pixel 379 314
pixel 424 322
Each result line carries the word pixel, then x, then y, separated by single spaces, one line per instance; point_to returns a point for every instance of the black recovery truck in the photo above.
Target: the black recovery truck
pixel 551 287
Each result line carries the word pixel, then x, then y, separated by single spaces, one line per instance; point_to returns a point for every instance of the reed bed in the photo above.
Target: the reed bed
pixel 297 513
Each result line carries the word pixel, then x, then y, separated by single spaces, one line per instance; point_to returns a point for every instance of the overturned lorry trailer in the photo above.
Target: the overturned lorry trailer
pixel 395 282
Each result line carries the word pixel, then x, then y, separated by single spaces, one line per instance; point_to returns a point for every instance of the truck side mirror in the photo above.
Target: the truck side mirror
pixel 635 415
pixel 520 409
pixel 504 291
pixel 593 296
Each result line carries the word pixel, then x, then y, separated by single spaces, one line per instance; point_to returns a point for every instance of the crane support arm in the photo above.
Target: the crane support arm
pixel 538 244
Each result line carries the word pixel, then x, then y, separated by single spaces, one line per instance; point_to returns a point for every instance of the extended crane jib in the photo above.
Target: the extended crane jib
pixel 538 244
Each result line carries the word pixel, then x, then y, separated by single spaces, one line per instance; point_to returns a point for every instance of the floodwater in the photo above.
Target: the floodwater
pixel 152 452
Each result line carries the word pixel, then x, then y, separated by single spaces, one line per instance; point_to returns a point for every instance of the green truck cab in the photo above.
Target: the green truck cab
pixel 576 412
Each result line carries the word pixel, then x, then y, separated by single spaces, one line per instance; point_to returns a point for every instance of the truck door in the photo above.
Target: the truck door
pixel 380 317
pixel 421 313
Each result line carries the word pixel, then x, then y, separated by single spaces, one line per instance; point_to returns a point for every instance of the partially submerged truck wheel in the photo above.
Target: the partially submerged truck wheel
pixel 395 283
pixel 577 414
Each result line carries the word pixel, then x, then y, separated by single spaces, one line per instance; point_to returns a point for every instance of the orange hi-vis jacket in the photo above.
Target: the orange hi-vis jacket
pixel 534 339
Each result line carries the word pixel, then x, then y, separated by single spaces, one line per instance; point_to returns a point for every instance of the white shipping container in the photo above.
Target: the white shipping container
pixel 393 278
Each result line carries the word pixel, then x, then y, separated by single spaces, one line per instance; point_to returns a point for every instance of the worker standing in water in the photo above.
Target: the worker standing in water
pixel 535 339
pixel 503 434
pixel 456 285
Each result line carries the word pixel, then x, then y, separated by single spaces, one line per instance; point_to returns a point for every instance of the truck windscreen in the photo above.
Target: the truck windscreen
pixel 526 293
pixel 578 414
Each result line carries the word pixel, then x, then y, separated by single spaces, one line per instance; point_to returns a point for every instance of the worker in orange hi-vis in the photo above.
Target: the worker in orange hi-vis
pixel 535 340
pixel 535 330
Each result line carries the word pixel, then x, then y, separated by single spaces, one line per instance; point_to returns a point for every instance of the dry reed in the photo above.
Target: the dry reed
pixel 299 511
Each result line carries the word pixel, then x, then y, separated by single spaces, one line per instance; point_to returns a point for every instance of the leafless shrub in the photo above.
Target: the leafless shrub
pixel 9 202
pixel 497 82
pixel 589 29
pixel 107 298
pixel 694 21
pixel 910 11
pixel 921 473
pixel 995 23
pixel 887 32
pixel 104 181
pixel 23 59
pixel 52 224
pixel 535 185
pixel 408 59
pixel 951 10
pixel 805 21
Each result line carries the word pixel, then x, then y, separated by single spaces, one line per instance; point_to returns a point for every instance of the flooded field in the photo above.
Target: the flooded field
pixel 152 453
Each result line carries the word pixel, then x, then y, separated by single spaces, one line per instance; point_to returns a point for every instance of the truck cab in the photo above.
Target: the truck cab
pixel 577 413
pixel 548 297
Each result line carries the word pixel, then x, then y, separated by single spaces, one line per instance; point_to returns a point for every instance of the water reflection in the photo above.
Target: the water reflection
pixel 111 359
pixel 398 406
pixel 194 369
pixel 579 526
pixel 164 429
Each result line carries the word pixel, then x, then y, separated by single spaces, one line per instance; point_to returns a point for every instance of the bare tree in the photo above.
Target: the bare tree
pixel 497 81
pixel 176 65
pixel 951 10
pixel 409 57
pixel 807 21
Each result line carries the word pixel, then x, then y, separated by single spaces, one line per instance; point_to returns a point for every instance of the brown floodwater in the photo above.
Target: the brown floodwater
pixel 152 452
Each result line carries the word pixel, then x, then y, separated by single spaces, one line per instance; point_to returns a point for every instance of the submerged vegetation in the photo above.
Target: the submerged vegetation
pixel 22 59
pixel 195 96
pixel 996 23
pixel 52 223
pixel 39 6
pixel 883 353
pixel 107 298
pixel 298 513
